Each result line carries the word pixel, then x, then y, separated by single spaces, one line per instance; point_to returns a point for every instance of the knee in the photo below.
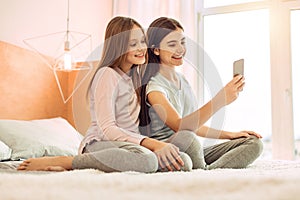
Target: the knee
pixel 188 164
pixel 186 134
pixel 256 145
pixel 150 164
pixel 185 139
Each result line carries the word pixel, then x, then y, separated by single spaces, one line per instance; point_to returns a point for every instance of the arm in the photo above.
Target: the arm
pixel 195 120
pixel 208 132
pixel 105 95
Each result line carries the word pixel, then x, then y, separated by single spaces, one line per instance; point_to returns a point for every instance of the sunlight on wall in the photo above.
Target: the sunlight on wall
pixel 228 37
pixel 295 41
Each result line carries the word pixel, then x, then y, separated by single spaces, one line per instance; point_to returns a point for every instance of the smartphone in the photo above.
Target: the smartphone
pixel 238 67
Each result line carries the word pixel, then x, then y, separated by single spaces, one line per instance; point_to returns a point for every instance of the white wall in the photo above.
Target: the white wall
pixel 23 19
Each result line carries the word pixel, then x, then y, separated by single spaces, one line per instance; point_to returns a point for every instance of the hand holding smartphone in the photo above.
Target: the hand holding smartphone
pixel 238 67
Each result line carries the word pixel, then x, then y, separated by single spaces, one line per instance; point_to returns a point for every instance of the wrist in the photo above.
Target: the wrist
pixel 151 144
pixel 228 135
pixel 216 103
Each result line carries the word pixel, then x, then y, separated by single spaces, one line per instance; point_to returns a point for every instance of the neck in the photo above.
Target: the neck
pixel 169 73
pixel 126 68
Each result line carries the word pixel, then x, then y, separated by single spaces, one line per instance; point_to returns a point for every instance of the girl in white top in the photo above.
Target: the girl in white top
pixel 169 108
pixel 113 141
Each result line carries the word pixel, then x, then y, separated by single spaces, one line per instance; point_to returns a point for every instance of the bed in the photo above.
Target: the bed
pixel 34 122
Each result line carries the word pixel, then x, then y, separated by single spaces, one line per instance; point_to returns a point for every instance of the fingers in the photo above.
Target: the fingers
pixel 239 82
pixel 169 158
pixel 179 160
pixel 238 78
pixel 176 160
pixel 167 164
pixel 236 84
pixel 160 162
pixel 249 133
pixel 240 88
pixel 254 133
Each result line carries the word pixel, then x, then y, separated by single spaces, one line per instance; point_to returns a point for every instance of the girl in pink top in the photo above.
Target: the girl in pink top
pixel 113 141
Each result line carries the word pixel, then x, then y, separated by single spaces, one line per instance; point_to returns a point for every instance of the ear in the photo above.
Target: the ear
pixel 156 51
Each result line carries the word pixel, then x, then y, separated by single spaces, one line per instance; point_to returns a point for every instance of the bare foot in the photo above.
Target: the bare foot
pixel 59 163
pixel 55 169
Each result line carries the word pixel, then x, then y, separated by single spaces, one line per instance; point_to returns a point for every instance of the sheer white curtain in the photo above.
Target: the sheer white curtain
pixel 146 11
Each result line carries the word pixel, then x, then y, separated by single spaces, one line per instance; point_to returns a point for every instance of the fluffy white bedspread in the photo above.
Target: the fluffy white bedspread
pixel 265 179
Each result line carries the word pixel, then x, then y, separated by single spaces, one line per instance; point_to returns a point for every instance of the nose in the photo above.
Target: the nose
pixel 141 46
pixel 181 49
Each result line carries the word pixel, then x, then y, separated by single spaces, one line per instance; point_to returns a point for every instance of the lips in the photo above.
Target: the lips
pixel 140 55
pixel 177 57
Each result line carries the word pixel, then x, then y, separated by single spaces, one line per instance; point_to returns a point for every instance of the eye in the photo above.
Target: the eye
pixel 183 42
pixel 132 44
pixel 172 44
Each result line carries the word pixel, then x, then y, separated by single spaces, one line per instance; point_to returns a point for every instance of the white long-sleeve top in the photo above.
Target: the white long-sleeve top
pixel 114 108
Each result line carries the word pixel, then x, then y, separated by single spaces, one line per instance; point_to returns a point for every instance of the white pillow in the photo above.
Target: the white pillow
pixel 37 138
pixel 5 151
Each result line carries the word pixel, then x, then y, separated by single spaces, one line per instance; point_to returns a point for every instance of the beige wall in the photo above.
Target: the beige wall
pixel 28 89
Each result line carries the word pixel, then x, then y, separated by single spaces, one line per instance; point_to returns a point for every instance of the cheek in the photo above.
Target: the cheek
pixel 168 55
pixel 144 46
pixel 130 55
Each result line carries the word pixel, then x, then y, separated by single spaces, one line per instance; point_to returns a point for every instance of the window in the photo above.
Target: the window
pixel 266 35
pixel 229 37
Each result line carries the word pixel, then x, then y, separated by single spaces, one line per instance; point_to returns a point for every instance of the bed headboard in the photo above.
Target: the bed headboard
pixel 28 89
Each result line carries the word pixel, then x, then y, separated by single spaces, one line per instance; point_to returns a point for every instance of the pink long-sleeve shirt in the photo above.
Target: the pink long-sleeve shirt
pixel 114 108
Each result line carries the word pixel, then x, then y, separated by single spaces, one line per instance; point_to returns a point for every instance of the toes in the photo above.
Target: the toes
pixel 25 163
pixel 55 168
pixel 21 168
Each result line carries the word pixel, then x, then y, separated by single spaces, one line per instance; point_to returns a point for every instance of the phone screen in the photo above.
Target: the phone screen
pixel 238 67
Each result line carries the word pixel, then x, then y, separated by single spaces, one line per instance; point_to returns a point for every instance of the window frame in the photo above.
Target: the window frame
pixel 283 144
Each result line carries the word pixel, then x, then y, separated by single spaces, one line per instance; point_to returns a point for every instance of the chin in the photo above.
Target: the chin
pixel 178 63
pixel 140 61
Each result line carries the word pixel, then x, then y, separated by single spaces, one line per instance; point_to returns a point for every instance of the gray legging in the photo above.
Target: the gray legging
pixel 115 156
pixel 237 153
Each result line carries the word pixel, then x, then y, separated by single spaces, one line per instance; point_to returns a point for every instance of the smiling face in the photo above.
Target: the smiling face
pixel 137 48
pixel 172 49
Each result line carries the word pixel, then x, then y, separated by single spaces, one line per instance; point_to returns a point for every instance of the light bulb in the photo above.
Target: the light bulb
pixel 67 60
pixel 67 57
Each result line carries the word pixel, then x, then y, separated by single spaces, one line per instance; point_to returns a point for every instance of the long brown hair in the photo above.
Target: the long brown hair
pixel 156 32
pixel 115 47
